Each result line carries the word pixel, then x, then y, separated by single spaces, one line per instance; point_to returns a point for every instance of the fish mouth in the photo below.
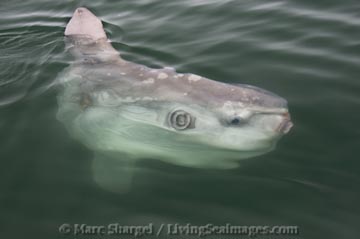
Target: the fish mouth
pixel 285 125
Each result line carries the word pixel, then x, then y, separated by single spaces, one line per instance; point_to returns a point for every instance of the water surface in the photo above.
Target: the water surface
pixel 306 51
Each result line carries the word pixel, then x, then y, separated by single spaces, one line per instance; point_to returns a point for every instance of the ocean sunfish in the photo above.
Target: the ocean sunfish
pixel 125 111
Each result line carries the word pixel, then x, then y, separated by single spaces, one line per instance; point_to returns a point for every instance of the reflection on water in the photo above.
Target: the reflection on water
pixel 305 51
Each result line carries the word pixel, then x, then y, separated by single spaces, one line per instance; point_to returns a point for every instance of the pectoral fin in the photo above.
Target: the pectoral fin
pixel 113 171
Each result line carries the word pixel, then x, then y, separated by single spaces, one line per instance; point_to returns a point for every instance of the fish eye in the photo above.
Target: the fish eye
pixel 181 120
pixel 236 121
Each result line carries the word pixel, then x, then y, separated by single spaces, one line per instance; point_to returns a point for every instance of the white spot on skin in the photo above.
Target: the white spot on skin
pixel 232 89
pixel 162 76
pixel 127 99
pixel 229 108
pixel 109 74
pixel 194 78
pixel 185 93
pixel 240 104
pixel 105 96
pixel 148 81
pixel 228 104
pixel 147 98
pixel 245 114
pixel 123 73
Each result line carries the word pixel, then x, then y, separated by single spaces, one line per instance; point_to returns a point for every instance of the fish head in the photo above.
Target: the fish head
pixel 220 122
pixel 244 119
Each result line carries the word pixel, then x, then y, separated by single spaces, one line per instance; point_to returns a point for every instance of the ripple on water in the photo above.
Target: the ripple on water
pixel 305 51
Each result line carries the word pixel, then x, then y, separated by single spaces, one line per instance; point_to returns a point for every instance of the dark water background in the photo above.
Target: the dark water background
pixel 305 51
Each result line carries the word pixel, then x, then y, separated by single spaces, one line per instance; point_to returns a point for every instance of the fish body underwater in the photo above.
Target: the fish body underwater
pixel 125 111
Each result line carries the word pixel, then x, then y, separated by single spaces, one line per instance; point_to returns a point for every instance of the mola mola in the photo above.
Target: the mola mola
pixel 125 111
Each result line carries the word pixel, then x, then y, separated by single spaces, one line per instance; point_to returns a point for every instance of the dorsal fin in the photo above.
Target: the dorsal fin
pixel 87 39
pixel 84 22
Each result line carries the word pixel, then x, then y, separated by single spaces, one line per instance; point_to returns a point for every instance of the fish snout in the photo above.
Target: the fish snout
pixel 285 124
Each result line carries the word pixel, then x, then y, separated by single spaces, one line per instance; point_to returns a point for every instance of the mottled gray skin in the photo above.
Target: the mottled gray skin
pixel 129 82
pixel 121 110
pixel 133 81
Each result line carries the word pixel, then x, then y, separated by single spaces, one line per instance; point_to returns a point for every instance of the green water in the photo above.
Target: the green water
pixel 306 51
